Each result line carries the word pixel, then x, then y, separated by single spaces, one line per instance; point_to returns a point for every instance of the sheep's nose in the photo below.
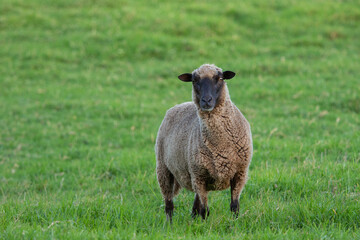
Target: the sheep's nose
pixel 206 99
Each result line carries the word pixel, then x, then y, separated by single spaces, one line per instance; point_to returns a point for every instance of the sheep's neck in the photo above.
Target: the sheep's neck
pixel 217 127
pixel 211 123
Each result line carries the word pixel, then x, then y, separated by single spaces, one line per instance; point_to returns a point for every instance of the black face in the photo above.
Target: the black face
pixel 208 89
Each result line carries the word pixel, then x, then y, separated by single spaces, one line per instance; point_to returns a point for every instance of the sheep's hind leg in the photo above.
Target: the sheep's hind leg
pixel 176 188
pixel 237 184
pixel 169 209
pixel 166 182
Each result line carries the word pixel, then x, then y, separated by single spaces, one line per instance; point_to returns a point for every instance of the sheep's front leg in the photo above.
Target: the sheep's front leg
pixel 237 184
pixel 196 206
pixel 201 201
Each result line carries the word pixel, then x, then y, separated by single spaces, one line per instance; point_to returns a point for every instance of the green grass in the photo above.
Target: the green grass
pixel 84 86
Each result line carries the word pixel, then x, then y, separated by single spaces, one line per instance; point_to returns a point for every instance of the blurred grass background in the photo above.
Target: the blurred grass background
pixel 84 86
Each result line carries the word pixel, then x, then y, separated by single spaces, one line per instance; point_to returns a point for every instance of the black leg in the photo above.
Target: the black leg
pixel 199 209
pixel 204 212
pixel 237 185
pixel 234 207
pixel 169 209
pixel 196 206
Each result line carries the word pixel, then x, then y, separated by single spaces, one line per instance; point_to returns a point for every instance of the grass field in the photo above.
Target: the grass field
pixel 84 86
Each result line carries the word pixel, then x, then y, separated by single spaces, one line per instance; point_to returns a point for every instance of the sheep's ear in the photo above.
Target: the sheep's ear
pixel 186 77
pixel 228 75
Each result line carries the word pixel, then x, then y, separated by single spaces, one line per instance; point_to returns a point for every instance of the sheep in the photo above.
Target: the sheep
pixel 203 145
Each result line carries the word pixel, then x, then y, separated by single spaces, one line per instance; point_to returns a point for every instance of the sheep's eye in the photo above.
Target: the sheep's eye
pixel 217 78
pixel 196 85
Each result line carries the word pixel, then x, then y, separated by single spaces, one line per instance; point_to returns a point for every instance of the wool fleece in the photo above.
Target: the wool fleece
pixel 203 151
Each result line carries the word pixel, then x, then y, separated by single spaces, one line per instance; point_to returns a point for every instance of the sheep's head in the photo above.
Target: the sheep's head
pixel 208 83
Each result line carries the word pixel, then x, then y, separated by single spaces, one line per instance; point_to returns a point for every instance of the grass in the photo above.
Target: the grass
pixel 84 86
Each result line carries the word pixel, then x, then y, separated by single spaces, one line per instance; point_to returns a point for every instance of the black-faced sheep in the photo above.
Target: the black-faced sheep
pixel 203 145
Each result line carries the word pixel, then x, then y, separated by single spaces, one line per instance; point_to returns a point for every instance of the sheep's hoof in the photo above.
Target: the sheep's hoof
pixel 194 213
pixel 169 209
pixel 204 212
pixel 234 207
pixel 196 207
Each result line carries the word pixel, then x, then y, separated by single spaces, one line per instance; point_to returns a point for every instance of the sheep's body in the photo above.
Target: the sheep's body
pixel 203 151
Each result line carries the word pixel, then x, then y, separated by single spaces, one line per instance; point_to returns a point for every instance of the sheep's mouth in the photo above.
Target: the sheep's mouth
pixel 207 108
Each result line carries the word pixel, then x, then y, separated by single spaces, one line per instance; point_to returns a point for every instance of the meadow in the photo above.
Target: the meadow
pixel 84 86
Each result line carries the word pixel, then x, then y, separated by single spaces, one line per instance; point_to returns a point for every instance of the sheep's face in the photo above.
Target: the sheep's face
pixel 207 86
pixel 207 91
